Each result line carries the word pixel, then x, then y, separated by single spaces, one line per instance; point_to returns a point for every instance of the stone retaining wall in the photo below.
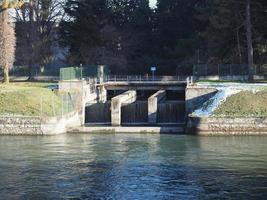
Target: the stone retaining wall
pixel 226 126
pixel 21 125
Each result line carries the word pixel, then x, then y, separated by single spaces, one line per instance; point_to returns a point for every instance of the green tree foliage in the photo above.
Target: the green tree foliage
pixel 84 31
pixel 113 32
pixel 225 33
pixel 177 32
pixel 133 23
pixel 130 36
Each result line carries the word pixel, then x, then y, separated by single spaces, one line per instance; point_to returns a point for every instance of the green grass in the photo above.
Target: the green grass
pixel 244 104
pixel 29 99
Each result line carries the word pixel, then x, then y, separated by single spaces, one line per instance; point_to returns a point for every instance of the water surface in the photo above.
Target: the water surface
pixel 133 167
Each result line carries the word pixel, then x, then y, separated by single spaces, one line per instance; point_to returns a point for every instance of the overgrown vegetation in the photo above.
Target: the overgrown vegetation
pixel 29 99
pixel 244 104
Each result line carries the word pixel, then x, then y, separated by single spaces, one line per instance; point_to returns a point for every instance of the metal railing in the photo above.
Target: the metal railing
pixel 142 78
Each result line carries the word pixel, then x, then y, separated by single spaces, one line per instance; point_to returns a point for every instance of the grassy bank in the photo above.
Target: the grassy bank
pixel 30 99
pixel 244 104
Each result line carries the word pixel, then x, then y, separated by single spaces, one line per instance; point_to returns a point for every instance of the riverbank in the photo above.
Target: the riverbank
pixel 226 108
pixel 29 99
pixel 236 109
pixel 32 108
pixel 234 100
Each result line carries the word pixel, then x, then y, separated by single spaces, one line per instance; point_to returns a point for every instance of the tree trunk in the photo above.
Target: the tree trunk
pixel 5 66
pixel 238 46
pixel 31 59
pixel 30 69
pixel 6 75
pixel 249 42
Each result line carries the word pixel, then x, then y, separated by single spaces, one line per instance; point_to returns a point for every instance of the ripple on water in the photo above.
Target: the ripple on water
pixel 133 167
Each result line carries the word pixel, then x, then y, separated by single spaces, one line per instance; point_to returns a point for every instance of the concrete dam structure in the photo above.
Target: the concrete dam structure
pixel 158 103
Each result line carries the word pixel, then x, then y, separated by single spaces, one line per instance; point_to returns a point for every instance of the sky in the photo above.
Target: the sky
pixel 153 3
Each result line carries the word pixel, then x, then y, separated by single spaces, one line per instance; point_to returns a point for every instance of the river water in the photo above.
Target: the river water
pixel 133 167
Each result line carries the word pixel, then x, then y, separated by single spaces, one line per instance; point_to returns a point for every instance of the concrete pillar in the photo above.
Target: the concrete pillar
pixel 101 73
pixel 101 94
pixel 153 105
pixel 80 86
pixel 116 102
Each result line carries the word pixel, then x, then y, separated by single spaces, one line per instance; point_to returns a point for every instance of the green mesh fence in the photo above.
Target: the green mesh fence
pixel 220 69
pixel 77 73
pixel 261 69
pixel 71 73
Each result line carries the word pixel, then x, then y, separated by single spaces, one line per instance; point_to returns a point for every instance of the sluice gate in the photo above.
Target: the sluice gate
pixel 156 108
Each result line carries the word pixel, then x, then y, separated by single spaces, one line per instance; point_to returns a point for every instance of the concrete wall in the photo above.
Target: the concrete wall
pixel 196 95
pixel 21 125
pixel 226 126
pixel 58 125
pixel 153 105
pixel 116 103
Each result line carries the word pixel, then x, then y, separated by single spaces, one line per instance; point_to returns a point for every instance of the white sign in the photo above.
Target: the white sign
pixel 153 69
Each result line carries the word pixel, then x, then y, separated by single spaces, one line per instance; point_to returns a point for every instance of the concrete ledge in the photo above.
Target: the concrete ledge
pixel 226 126
pixel 108 129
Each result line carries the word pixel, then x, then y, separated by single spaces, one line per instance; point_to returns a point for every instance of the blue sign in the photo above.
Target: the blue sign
pixel 153 69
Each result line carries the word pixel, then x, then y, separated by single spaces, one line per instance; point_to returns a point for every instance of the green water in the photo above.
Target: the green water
pixel 133 167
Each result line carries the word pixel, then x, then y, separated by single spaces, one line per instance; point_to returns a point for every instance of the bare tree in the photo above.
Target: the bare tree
pixel 37 22
pixel 7 43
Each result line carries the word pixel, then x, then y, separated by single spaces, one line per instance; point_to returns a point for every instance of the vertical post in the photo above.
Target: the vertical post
pixel 53 105
pixel 68 106
pixel 62 106
pixel 255 69
pixel 41 106
pixel 81 65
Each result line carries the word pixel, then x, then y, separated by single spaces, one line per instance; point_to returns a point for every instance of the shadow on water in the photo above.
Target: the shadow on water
pixel 133 167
